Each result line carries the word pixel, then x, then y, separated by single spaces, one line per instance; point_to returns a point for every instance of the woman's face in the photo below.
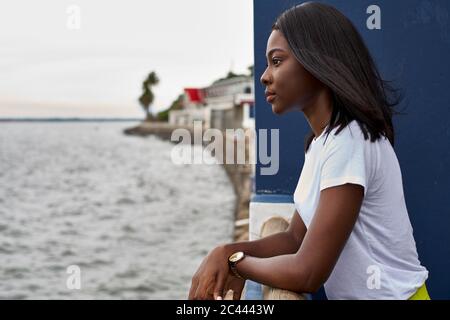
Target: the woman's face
pixel 288 84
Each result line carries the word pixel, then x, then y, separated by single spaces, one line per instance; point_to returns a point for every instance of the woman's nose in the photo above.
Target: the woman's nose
pixel 264 78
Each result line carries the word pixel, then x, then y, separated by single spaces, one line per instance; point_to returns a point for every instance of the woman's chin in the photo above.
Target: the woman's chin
pixel 277 110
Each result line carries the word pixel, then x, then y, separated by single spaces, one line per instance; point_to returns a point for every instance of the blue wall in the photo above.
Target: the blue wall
pixel 413 49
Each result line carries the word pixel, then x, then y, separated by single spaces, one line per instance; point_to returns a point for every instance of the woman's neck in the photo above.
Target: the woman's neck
pixel 318 112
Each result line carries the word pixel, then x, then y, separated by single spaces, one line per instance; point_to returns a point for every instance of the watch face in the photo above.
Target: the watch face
pixel 236 256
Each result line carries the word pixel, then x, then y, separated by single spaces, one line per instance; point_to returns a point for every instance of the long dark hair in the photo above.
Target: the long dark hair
pixel 328 45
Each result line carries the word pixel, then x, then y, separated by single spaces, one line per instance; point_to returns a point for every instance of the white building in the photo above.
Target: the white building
pixel 226 104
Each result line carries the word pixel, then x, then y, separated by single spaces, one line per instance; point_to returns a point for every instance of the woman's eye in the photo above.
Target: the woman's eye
pixel 274 61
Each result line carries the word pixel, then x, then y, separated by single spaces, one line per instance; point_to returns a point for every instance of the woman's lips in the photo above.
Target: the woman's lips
pixel 271 98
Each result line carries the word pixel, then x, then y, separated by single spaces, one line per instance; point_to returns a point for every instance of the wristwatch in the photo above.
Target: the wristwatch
pixel 233 261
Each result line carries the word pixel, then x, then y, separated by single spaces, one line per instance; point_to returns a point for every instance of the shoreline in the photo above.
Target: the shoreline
pixel 238 174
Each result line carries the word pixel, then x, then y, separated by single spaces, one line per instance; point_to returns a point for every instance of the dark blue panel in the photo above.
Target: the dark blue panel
pixel 413 49
pixel 252 111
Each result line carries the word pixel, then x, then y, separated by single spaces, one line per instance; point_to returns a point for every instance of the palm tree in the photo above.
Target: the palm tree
pixel 147 96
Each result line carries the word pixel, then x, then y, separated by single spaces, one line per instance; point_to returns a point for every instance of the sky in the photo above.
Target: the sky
pixel 88 58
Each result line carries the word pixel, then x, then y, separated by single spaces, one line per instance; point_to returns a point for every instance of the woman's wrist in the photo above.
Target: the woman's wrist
pixel 229 248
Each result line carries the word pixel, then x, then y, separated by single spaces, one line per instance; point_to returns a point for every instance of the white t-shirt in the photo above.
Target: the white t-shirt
pixel 379 260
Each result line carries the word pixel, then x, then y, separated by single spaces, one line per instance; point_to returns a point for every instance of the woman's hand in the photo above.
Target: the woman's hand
pixel 236 284
pixel 210 278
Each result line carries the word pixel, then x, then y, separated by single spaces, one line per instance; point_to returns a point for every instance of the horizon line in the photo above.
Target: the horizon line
pixel 55 119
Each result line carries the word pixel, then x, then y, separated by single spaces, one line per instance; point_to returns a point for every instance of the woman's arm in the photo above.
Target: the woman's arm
pixel 310 267
pixel 286 242
pixel 210 277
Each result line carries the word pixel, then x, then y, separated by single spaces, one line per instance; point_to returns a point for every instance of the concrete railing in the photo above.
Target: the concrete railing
pixel 274 225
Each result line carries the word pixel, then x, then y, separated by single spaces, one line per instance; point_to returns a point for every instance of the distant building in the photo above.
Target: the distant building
pixel 193 108
pixel 231 103
pixel 226 104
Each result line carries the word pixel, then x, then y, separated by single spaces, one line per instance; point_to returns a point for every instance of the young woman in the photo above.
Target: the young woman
pixel 350 231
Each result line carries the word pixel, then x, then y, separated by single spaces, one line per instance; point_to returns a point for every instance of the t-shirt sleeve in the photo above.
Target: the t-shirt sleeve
pixel 343 162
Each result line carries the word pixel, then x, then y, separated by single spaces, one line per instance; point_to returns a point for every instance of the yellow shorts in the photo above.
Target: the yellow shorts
pixel 421 294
